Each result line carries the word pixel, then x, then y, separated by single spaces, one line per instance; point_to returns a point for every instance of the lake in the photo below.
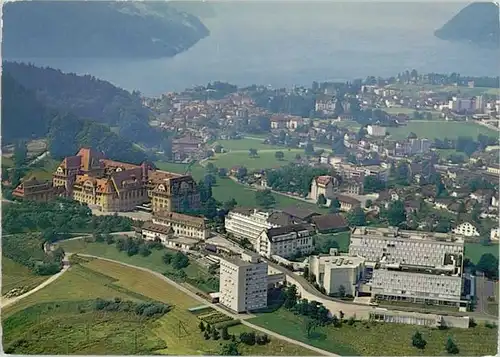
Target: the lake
pixel 294 43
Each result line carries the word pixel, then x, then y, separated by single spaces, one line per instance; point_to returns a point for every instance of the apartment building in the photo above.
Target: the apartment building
pixel 243 283
pixel 411 266
pixel 183 225
pixel 333 271
pixel 285 241
pixel 248 223
pixel 350 172
pixel 376 130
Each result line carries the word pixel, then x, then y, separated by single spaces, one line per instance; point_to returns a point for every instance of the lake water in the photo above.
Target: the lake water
pixel 295 43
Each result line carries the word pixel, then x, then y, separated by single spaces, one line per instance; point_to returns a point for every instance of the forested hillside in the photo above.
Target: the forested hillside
pixel 24 117
pixel 97 29
pixel 87 97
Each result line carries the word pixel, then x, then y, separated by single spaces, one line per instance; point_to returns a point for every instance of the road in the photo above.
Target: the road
pixel 10 301
pixel 216 307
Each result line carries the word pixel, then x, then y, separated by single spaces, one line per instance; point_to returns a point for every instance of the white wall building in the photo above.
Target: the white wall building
pixel 243 283
pixel 285 241
pixel 245 223
pixel 376 130
pixel 411 266
pixel 323 185
pixel 466 229
pixel 333 271
pixel 495 234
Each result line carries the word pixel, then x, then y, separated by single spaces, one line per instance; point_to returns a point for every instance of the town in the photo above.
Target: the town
pixel 375 201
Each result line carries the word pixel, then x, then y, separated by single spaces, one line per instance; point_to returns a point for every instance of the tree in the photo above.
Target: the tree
pixel 211 169
pixel 20 154
pixel 265 198
pixel 279 155
pixel 310 326
pixel 144 250
pixel 335 206
pixel 368 203
pixel 225 334
pixel 321 200
pixel 298 157
pixel 291 297
pixel 356 217
pixel 179 261
pixel 209 180
pixel 488 264
pixel 206 335
pixel 229 205
pixel 201 326
pixel 109 238
pixel 229 349
pixel 252 152
pixel 215 334
pixel 451 347
pixel 412 135
pixel 248 338
pixel 241 172
pixel 309 149
pixel 341 291
pixel 222 172
pixel 396 213
pixel 373 184
pixel 167 258
pixel 418 341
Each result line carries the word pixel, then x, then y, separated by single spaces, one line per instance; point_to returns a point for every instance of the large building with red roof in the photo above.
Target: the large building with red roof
pixel 114 186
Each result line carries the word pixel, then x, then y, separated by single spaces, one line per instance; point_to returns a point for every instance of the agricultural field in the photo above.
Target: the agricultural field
pixel 439 130
pixel 225 188
pixel 364 338
pixel 58 319
pixel 197 274
pixel 473 251
pixel 18 276
pixel 247 143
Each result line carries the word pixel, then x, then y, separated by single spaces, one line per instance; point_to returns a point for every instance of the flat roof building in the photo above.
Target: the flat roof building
pixel 243 283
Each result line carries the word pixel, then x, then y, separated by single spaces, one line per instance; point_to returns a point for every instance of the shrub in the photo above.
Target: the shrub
pixel 418 341
pixel 167 258
pixel 226 324
pixel 144 250
pixel 248 338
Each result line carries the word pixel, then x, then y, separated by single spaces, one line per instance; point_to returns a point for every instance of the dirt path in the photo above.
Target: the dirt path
pixel 10 301
pixel 216 307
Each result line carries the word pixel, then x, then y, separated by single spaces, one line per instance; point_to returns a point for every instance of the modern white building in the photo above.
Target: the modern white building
pixel 411 266
pixel 247 223
pixel 495 234
pixel 333 271
pixel 243 283
pixel 466 229
pixel 376 130
pixel 286 241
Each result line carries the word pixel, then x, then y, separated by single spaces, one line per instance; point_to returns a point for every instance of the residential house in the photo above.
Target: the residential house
pixel 467 230
pixel 328 223
pixel 347 203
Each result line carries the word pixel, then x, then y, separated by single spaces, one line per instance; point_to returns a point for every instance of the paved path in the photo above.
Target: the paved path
pixel 9 301
pixel 216 307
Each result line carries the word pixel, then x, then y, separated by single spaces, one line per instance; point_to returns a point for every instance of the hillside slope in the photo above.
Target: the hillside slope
pixel 25 117
pixel 96 29
pixel 86 97
pixel 477 23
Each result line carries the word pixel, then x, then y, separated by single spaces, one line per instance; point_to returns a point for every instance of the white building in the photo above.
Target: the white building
pixel 333 271
pixel 495 234
pixel 285 241
pixel 247 223
pixel 166 235
pixel 183 225
pixel 323 185
pixel 466 229
pixel 411 266
pixel 243 283
pixel 376 130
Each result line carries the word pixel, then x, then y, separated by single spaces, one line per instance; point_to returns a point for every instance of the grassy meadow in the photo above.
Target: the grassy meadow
pixel 15 275
pixel 368 338
pixel 59 319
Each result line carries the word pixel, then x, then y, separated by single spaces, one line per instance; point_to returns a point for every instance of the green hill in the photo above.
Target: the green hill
pixel 478 23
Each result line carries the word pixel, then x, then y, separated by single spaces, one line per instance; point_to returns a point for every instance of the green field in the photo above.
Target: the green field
pixel 342 238
pixel 43 170
pixel 153 261
pixel 69 326
pixel 380 339
pixel 473 251
pixel 15 275
pixel 245 144
pixel 225 189
pixel 439 130
pixel 466 91
pixel 265 159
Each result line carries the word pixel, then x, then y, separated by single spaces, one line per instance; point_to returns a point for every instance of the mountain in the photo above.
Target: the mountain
pixel 63 29
pixel 87 97
pixel 477 23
